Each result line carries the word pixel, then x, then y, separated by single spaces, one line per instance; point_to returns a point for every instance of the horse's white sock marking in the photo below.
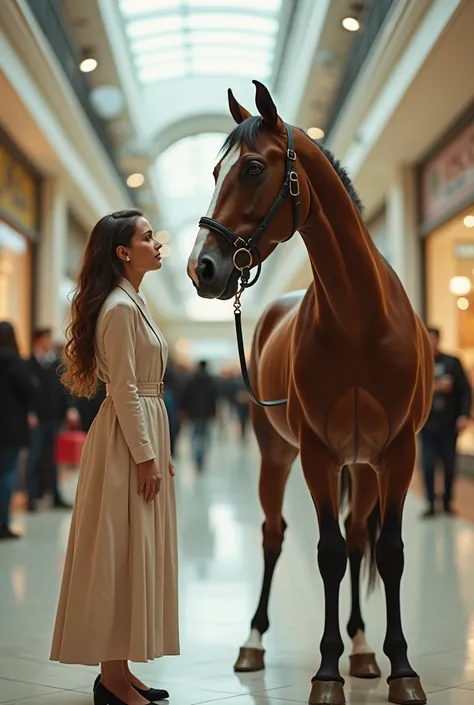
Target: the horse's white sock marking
pixel 360 645
pixel 254 641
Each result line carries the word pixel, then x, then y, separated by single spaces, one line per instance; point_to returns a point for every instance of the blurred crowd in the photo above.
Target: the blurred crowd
pixel 42 426
pixel 36 410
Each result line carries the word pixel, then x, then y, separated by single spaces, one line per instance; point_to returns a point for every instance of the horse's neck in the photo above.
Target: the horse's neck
pixel 347 270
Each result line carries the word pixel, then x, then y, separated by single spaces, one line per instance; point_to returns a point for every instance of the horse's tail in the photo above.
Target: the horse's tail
pixel 373 528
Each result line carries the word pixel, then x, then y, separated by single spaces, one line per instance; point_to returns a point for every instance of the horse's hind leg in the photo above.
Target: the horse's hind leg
pixel 361 530
pixel 277 458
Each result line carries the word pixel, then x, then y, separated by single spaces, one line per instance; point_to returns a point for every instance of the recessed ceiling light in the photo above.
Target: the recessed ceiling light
pixel 351 24
pixel 463 303
pixel 88 65
pixel 469 221
pixel 135 180
pixel 316 133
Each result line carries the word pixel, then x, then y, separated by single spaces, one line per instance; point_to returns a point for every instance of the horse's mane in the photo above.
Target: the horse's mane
pixel 247 132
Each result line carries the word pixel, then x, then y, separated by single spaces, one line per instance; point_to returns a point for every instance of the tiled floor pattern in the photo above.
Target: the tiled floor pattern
pixel 220 572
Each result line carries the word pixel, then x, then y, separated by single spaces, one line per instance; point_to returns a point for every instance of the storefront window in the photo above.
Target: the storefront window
pixel 15 283
pixel 450 294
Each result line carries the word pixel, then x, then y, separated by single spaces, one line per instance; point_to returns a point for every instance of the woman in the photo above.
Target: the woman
pixel 118 600
pixel 17 389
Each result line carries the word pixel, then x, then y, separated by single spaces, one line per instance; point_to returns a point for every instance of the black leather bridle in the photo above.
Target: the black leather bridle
pixel 248 248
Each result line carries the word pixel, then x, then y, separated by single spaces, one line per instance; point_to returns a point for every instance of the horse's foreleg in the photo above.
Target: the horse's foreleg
pixel 394 474
pixel 322 478
pixel 361 529
pixel 273 478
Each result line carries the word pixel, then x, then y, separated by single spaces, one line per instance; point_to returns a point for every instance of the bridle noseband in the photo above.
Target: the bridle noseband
pixel 248 248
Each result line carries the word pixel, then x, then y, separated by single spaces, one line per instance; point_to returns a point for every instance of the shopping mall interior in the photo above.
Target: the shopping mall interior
pixel 112 105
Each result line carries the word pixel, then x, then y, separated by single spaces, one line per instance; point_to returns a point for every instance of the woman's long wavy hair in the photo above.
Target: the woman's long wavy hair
pixel 100 271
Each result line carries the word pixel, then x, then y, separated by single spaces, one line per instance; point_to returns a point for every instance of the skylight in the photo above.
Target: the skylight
pixel 176 38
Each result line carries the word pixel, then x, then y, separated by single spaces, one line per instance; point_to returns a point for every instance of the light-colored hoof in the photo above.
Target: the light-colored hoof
pixel 364 666
pixel 406 691
pixel 249 660
pixel 327 693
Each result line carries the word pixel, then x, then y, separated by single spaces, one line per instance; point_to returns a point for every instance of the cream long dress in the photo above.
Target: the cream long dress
pixel 119 592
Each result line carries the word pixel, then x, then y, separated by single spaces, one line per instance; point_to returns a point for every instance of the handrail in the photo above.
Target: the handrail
pixel 50 18
pixel 374 19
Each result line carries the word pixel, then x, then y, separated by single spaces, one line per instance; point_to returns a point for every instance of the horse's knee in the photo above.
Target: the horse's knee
pixel 389 551
pixel 273 532
pixel 332 550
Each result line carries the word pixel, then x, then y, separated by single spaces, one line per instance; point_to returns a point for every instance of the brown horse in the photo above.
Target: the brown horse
pixel 350 355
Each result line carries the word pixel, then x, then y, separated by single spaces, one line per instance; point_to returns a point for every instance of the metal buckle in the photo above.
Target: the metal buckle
pixel 241 240
pixel 294 184
pixel 246 266
pixel 291 154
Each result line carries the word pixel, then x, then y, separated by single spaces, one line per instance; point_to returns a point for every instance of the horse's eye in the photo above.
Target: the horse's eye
pixel 254 169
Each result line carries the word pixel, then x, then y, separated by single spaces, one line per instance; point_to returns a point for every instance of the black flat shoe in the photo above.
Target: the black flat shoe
pixel 154 695
pixel 102 696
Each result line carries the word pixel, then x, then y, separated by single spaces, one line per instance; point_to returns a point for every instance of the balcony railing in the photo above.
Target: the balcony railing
pixel 375 17
pixel 50 18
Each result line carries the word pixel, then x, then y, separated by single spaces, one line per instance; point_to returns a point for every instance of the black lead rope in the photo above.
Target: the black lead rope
pixel 249 247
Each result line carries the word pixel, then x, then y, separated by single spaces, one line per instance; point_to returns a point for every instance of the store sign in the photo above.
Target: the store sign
pixel 448 180
pixel 18 191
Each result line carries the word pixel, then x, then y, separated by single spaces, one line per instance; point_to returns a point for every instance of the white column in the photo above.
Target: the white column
pixel 402 233
pixel 52 258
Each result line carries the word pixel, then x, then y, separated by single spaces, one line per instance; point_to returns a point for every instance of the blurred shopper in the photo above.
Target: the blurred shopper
pixel 450 413
pixel 242 405
pixel 199 405
pixel 171 403
pixel 119 591
pixel 17 390
pixel 54 406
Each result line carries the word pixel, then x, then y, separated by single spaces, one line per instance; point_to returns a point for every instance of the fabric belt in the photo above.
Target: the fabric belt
pixel 146 389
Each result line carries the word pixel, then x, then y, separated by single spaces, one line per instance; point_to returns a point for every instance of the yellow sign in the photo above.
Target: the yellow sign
pixel 18 191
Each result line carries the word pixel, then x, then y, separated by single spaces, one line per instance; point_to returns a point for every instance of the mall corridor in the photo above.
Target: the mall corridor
pixel 220 571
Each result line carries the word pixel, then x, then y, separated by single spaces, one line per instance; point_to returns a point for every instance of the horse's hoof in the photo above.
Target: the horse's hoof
pixel 249 660
pixel 406 691
pixel 364 666
pixel 327 693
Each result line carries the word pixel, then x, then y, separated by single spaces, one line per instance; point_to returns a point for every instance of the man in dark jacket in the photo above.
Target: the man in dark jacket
pixel 53 406
pixel 449 416
pixel 199 403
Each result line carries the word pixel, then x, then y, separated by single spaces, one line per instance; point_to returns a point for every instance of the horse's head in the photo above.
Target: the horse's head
pixel 256 185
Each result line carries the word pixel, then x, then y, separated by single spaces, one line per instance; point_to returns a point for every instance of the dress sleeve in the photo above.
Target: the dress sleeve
pixel 119 336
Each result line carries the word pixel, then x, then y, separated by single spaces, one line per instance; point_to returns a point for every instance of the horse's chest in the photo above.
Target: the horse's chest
pixel 326 373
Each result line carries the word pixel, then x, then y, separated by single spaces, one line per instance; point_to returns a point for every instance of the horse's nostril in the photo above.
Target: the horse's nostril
pixel 207 269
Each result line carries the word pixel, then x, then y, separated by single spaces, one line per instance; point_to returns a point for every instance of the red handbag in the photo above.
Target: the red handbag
pixel 69 446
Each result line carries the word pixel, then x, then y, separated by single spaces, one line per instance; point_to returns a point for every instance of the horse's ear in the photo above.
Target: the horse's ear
pixel 238 112
pixel 266 106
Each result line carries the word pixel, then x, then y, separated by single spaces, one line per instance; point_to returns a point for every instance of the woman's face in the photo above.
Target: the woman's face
pixel 144 249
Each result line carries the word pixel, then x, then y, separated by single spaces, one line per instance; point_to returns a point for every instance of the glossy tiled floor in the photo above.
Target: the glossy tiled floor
pixel 220 572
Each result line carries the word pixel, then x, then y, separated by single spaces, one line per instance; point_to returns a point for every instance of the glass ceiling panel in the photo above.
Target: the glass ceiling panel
pixel 209 37
pixel 184 174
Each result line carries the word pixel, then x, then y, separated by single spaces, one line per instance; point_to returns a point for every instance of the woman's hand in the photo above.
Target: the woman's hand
pixel 149 480
pixel 171 468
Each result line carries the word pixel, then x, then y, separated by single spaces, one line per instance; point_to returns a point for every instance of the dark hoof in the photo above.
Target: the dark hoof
pixel 406 691
pixel 249 660
pixel 327 693
pixel 364 666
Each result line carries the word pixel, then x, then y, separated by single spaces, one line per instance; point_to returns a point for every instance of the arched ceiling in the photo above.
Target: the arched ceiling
pixel 174 61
